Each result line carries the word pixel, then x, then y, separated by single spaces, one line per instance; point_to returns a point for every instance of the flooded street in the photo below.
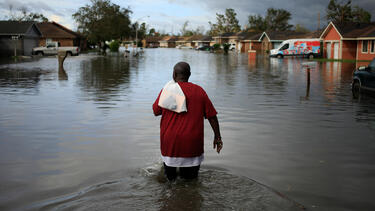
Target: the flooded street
pixel 89 140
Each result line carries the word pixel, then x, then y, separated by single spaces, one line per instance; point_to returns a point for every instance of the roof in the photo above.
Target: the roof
pixel 55 30
pixel 195 37
pixel 356 30
pixel 15 27
pixel 285 35
pixel 249 35
pixel 182 39
pixel 352 30
pixel 152 39
pixel 226 34
pixel 169 39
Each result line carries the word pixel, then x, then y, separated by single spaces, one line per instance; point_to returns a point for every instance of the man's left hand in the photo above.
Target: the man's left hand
pixel 218 144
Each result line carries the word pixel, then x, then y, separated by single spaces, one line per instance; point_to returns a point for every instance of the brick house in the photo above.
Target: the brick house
pixel 350 41
pixel 151 42
pixel 19 36
pixel 202 41
pixel 54 32
pixel 168 42
pixel 249 41
pixel 272 39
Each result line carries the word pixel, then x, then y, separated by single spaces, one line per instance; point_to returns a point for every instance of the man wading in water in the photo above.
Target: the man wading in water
pixel 183 106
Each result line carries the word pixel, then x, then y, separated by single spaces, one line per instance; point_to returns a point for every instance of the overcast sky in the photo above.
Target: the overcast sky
pixel 169 15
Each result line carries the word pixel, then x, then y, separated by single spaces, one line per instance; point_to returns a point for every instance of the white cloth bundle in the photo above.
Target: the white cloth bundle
pixel 173 98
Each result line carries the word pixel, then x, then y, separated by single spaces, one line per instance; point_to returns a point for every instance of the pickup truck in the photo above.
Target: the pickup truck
pixel 53 47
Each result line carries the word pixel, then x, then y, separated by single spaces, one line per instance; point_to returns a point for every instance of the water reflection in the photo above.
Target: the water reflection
pixel 57 147
pixel 105 77
pixel 16 81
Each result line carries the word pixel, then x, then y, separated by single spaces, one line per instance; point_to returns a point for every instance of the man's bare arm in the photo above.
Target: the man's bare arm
pixel 218 143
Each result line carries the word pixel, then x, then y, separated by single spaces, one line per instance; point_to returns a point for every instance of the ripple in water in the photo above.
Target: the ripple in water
pixel 147 189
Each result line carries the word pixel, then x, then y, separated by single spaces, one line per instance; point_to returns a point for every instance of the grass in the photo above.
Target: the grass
pixel 339 60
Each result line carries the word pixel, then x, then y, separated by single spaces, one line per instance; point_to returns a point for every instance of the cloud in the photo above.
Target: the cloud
pixel 304 12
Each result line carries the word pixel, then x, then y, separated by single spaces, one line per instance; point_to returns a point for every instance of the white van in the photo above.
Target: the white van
pixel 297 47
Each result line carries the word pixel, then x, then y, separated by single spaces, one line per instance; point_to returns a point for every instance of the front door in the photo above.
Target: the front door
pixel 329 50
pixel 336 50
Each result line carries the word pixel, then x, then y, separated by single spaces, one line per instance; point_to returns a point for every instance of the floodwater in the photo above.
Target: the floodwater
pixel 86 138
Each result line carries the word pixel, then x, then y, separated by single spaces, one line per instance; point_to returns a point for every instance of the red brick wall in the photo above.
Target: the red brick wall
pixel 63 42
pixel 256 46
pixel 349 49
pixel 332 35
pixel 365 56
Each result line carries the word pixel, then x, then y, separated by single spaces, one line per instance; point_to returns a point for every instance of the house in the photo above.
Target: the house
pixel 353 41
pixel 168 42
pixel 183 41
pixel 227 37
pixel 248 41
pixel 151 42
pixel 202 41
pixel 19 36
pixel 54 32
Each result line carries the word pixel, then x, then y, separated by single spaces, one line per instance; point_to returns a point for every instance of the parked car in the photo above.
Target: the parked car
pixel 204 48
pixel 232 46
pixel 364 79
pixel 297 47
pixel 53 47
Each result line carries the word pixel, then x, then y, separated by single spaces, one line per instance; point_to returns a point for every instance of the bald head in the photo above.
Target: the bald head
pixel 181 72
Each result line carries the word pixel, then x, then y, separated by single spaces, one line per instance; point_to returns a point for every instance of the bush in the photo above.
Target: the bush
pixel 226 47
pixel 216 46
pixel 114 46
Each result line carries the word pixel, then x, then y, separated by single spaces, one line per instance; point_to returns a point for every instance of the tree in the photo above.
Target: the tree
pixel 103 20
pixel 345 13
pixel 339 13
pixel 152 32
pixel 257 23
pixel 275 20
pixel 22 14
pixel 225 23
pixel 360 15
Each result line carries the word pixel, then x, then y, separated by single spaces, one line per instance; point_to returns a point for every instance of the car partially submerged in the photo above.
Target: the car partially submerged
pixel 364 79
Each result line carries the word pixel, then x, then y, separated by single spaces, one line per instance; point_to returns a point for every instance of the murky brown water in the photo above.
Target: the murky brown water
pixel 91 142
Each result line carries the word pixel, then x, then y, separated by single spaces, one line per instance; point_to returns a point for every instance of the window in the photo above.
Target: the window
pixel 372 46
pixel 364 46
pixel 286 46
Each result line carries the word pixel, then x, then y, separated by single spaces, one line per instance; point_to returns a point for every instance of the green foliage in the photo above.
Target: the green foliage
pixel 345 13
pixel 225 23
pixel 226 47
pixel 139 31
pixel 23 15
pixel 103 20
pixel 360 15
pixel 275 20
pixel 114 46
pixel 257 23
pixel 216 46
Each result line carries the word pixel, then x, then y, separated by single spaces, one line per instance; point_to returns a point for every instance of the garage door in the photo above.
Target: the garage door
pixel 336 50
pixel 29 44
pixel 328 50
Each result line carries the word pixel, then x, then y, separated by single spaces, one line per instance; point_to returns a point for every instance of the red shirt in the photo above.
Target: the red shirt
pixel 181 134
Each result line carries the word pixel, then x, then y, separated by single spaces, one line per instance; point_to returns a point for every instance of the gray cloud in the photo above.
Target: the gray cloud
pixel 32 6
pixel 303 12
